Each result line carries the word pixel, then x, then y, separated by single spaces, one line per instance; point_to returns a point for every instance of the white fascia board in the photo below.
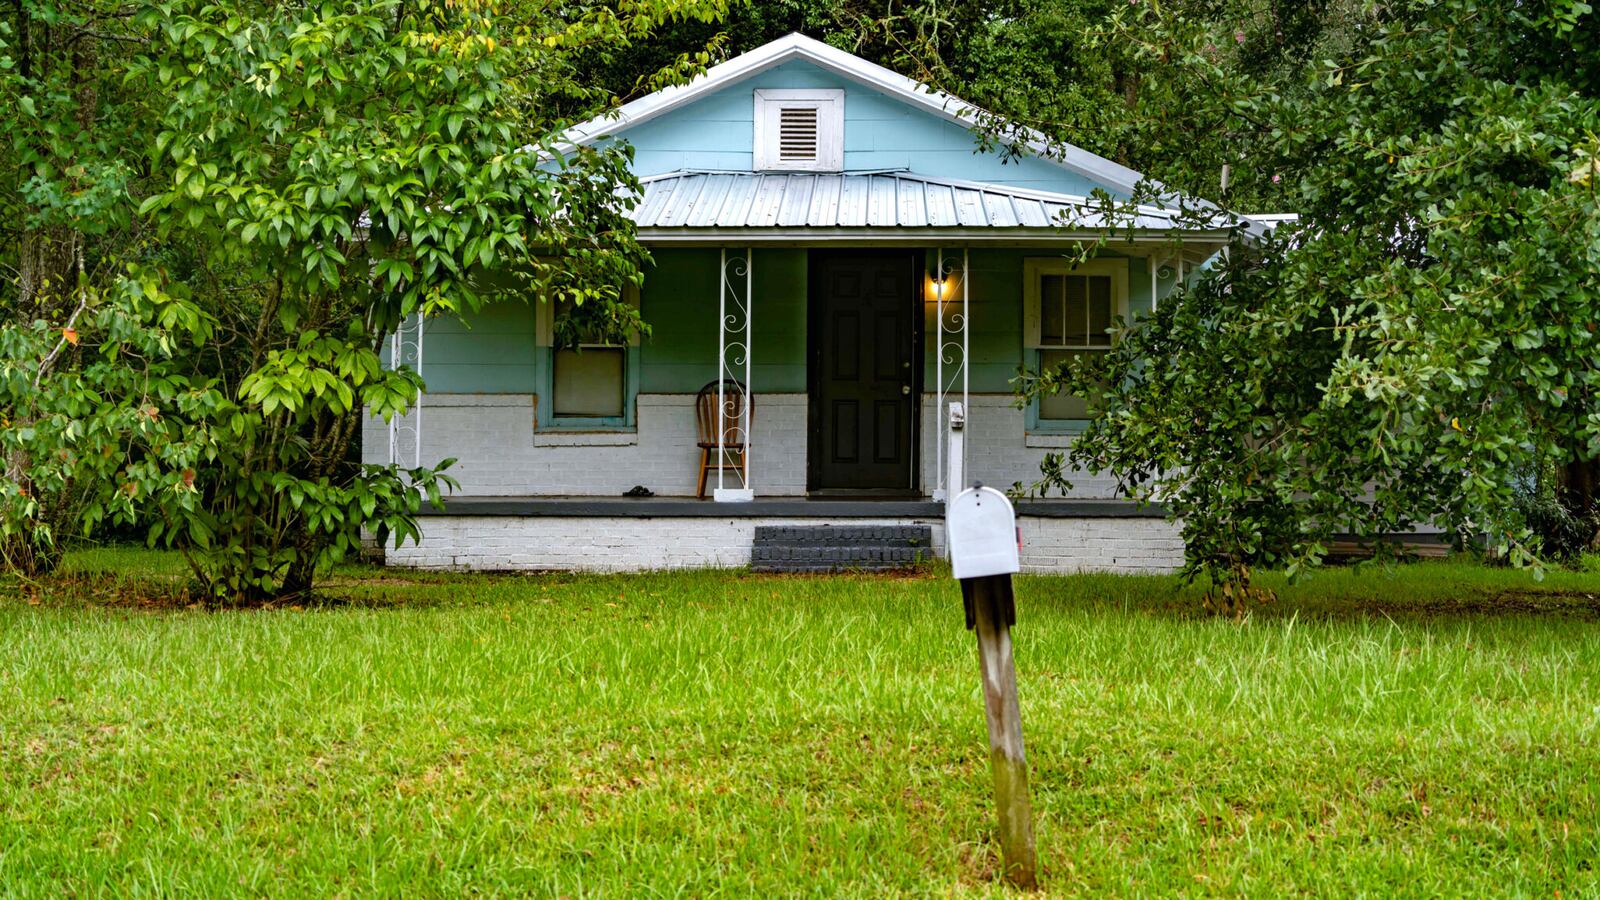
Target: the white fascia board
pixel 1272 220
pixel 650 106
pixel 869 237
pixel 1071 157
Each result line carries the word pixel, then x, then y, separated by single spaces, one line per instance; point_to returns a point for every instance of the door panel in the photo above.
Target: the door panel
pixel 864 381
pixel 845 415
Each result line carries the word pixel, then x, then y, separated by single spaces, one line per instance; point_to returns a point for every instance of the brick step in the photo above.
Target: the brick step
pixel 826 568
pixel 844 535
pixel 841 554
pixel 833 548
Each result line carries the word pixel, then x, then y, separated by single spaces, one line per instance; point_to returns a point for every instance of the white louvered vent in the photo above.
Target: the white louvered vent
pixel 799 130
pixel 797 134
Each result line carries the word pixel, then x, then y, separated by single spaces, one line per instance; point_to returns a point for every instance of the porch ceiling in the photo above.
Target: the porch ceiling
pixel 875 207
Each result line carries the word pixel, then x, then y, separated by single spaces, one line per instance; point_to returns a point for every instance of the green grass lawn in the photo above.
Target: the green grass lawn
pixel 1419 730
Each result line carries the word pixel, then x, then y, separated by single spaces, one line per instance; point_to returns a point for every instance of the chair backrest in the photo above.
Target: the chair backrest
pixel 734 401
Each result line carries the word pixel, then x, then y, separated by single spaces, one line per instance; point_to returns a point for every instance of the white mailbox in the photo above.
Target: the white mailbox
pixel 982 530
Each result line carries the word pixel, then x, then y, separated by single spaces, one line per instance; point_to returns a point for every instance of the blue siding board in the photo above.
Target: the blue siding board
pixel 493 351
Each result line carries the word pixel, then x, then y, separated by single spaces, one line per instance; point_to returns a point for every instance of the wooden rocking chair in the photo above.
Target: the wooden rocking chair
pixel 734 439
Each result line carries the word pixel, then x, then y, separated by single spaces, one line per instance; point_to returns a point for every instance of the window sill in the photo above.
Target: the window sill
pixel 1056 440
pixel 558 438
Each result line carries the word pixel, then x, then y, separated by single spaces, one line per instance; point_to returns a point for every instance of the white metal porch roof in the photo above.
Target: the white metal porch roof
pixel 805 202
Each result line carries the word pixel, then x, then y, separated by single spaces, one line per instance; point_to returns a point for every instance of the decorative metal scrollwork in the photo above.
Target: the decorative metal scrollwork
pixel 734 360
pixel 951 344
pixel 405 432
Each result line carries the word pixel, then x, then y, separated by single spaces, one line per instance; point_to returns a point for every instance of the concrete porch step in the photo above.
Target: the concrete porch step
pixel 834 548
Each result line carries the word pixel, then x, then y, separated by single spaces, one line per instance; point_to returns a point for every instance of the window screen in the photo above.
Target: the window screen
pixel 1075 310
pixel 1075 313
pixel 589 382
pixel 1062 406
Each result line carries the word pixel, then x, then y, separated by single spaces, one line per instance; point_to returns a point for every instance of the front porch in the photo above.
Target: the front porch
pixel 854 316
pixel 956 327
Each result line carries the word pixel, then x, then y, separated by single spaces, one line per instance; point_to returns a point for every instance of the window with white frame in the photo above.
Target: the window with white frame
pixel 1069 311
pixel 587 384
pixel 799 130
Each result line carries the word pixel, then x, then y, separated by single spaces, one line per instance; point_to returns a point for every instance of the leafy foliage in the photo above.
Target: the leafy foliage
pixel 1421 339
pixel 362 164
pixel 66 231
pixel 68 434
pixel 311 177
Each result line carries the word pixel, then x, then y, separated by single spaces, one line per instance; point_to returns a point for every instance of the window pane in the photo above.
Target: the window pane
pixel 1099 310
pixel 1077 310
pixel 1052 317
pixel 588 382
pixel 1062 406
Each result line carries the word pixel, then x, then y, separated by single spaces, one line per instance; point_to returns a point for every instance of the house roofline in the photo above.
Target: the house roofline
pixel 797 46
pixel 869 236
pixel 1062 154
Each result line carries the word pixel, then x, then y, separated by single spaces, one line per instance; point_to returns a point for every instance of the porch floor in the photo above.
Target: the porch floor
pixel 771 507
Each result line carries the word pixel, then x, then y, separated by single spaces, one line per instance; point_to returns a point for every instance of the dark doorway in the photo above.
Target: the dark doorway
pixel 863 374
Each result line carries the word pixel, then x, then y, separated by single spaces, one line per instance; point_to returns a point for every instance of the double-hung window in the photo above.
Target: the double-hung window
pixel 1069 314
pixel 587 385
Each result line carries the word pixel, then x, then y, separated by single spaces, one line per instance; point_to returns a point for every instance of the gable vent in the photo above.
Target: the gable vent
pixel 797 134
pixel 799 130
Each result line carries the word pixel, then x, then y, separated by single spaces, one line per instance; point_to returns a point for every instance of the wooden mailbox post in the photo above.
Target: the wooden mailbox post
pixel 982 530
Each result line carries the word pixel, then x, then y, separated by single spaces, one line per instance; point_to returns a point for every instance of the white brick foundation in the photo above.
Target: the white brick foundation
pixel 1132 545
pixel 628 543
pixel 501 454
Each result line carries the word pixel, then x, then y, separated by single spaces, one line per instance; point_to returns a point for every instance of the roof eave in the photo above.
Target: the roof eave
pixel 881 236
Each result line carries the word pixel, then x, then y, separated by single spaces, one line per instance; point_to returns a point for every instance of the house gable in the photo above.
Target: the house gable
pixel 890 123
pixel 716 132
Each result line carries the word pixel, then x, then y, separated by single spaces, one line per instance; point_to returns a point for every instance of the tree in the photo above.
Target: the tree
pixel 66 234
pixel 70 431
pixel 360 164
pixel 308 177
pixel 1425 335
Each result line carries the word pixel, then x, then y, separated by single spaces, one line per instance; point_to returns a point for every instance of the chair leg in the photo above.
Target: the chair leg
pixel 705 459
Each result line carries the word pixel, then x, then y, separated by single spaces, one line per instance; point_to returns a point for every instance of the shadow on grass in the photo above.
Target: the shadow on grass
pixel 158 587
pixel 138 579
pixel 1412 590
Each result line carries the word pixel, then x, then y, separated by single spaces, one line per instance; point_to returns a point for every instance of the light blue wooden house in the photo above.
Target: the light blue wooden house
pixel 844 286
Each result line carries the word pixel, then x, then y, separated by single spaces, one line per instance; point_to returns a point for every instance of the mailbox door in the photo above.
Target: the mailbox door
pixel 982 530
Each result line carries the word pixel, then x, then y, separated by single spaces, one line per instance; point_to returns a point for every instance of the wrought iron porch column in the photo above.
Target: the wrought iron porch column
pixel 734 333
pixel 405 346
pixel 951 345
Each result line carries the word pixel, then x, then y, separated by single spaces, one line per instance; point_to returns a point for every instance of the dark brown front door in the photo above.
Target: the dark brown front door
pixel 863 378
